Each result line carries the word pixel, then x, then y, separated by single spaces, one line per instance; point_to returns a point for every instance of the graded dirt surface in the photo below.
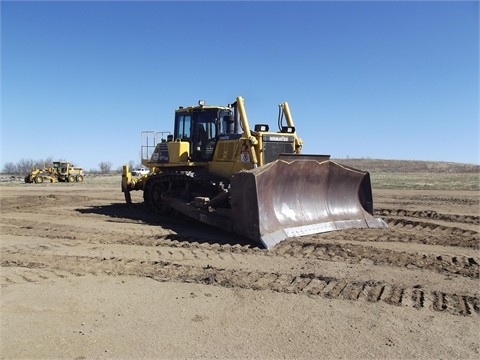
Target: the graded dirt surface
pixel 85 276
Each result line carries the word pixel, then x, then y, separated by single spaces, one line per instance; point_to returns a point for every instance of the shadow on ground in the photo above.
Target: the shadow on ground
pixel 184 228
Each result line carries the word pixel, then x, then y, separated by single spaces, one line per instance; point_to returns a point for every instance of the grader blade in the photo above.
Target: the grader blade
pixel 298 197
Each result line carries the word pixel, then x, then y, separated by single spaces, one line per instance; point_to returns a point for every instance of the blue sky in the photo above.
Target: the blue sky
pixel 387 80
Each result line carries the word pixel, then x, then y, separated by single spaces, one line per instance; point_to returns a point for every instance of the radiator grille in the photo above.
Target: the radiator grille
pixel 271 150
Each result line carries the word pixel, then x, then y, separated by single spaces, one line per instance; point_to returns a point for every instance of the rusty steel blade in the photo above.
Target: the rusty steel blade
pixel 294 198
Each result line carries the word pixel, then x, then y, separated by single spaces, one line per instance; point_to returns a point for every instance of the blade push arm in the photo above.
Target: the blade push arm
pixel 246 129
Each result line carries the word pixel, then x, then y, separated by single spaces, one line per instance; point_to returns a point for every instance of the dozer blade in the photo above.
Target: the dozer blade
pixel 300 197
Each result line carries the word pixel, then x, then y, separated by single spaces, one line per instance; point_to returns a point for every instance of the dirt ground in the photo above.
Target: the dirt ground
pixel 83 276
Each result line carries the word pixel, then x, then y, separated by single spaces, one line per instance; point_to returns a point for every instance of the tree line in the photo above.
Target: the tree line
pixel 24 166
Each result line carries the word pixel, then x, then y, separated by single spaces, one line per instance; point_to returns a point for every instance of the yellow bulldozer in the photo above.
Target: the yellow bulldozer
pixel 62 171
pixel 254 182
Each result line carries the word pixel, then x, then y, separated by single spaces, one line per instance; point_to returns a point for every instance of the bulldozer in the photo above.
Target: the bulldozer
pixel 60 171
pixel 256 183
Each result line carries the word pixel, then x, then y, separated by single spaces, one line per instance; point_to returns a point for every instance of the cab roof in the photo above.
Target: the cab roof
pixel 201 107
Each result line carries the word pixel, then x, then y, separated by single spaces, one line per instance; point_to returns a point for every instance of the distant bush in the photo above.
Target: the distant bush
pixel 105 167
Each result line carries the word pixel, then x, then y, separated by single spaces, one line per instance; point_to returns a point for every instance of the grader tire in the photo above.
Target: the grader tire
pixel 71 178
pixel 38 179
pixel 79 178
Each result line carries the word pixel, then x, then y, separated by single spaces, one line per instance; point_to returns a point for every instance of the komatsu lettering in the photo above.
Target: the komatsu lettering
pixel 277 138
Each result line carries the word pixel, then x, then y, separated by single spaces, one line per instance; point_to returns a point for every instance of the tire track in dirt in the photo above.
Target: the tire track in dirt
pixel 421 232
pixel 303 284
pixel 289 253
pixel 330 251
pixel 353 252
pixel 429 214
pixel 468 237
pixel 32 273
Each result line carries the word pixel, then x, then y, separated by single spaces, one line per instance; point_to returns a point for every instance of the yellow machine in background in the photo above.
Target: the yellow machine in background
pixel 59 171
pixel 256 183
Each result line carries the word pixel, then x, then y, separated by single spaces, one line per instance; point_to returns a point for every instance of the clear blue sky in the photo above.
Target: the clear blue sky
pixel 387 80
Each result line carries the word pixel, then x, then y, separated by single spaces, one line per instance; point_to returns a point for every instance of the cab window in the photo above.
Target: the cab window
pixel 182 126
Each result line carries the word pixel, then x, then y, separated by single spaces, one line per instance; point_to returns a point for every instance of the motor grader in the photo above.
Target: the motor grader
pixel 62 171
pixel 254 182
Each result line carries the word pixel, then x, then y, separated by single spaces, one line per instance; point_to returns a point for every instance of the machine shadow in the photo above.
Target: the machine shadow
pixel 185 229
